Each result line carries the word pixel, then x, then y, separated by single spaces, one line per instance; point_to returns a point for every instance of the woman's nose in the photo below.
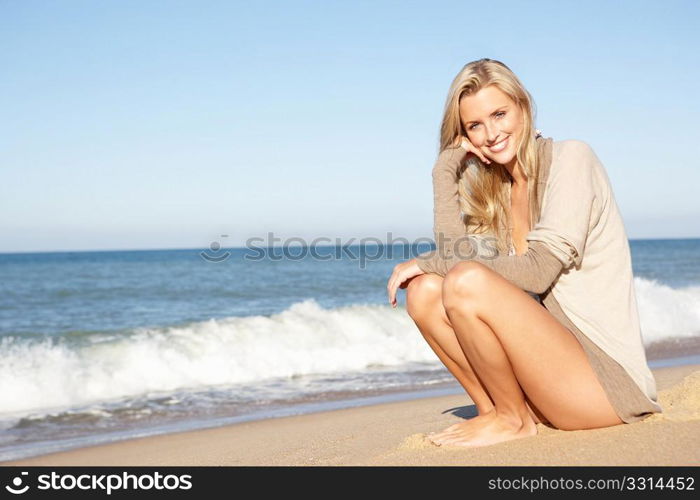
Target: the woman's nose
pixel 491 133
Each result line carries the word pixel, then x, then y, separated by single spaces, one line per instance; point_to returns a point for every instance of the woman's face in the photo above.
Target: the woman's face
pixel 494 123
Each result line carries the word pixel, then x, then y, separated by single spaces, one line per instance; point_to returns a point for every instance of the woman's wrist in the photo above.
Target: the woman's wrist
pixel 452 158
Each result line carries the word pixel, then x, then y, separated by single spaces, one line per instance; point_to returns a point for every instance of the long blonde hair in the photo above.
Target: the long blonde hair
pixel 483 189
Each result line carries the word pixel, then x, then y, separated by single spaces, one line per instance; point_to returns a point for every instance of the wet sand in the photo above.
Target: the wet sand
pixel 394 434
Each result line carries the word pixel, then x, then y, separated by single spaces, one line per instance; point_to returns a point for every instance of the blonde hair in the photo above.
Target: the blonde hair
pixel 483 189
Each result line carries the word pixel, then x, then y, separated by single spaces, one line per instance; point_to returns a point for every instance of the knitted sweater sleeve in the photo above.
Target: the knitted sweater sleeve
pixel 534 271
pixel 571 206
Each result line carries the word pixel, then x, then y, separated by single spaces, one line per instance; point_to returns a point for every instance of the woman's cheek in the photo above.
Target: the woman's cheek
pixel 476 140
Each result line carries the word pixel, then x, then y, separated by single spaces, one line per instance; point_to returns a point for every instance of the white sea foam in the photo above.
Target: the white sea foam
pixel 304 339
pixel 666 312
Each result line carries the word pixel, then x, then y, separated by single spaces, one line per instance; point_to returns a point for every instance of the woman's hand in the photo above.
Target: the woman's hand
pixel 402 273
pixel 464 143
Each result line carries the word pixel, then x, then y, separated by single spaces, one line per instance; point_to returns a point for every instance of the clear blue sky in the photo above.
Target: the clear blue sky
pixel 163 124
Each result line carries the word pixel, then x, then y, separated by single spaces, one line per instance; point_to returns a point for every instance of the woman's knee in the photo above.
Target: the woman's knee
pixel 422 293
pixel 464 280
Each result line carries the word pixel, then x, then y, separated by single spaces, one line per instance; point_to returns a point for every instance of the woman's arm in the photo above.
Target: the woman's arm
pixel 448 221
pixel 556 242
pixel 534 271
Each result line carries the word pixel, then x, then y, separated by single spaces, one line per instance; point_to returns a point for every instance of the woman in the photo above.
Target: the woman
pixel 519 217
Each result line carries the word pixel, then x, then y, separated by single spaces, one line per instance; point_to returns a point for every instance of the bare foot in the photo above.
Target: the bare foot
pixel 484 430
pixel 463 425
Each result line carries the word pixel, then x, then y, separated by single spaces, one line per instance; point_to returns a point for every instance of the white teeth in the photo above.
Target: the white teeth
pixel 500 146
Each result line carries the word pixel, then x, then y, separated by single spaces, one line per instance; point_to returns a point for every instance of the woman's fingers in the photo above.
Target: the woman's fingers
pixel 477 152
pixel 404 284
pixel 403 273
pixel 394 282
pixel 466 144
pixel 391 286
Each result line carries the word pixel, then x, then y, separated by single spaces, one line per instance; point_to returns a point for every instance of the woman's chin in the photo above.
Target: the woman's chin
pixel 501 159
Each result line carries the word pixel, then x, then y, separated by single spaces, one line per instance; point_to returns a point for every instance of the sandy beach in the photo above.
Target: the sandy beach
pixel 393 434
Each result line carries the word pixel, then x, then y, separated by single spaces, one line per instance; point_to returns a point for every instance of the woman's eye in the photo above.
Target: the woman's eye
pixel 500 114
pixel 472 126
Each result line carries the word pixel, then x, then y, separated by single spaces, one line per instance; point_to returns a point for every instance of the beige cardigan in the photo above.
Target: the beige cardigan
pixel 577 250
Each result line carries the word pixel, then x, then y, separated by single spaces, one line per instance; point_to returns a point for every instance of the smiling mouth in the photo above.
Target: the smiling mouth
pixel 500 146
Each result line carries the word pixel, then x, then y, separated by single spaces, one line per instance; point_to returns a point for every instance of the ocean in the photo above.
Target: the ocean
pixel 97 346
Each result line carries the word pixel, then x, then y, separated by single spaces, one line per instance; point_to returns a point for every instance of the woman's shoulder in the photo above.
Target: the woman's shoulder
pixel 571 148
pixel 576 164
pixel 572 156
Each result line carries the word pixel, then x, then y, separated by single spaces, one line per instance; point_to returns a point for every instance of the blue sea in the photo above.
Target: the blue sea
pixel 106 345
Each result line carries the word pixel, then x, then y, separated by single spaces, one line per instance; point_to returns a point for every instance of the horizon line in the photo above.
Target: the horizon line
pixel 245 247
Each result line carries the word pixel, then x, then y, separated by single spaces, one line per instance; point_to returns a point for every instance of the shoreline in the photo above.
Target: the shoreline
pixel 341 437
pixel 59 446
pixel 42 448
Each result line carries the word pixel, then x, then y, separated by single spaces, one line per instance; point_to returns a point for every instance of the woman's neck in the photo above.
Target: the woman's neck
pixel 517 176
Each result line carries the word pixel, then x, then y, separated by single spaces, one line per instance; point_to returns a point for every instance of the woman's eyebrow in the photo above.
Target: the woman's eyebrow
pixel 500 108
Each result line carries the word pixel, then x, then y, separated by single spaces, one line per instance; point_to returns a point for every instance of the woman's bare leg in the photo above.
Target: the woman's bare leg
pixel 518 348
pixel 424 305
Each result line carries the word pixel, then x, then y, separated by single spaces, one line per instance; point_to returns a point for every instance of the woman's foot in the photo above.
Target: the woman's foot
pixel 464 424
pixel 485 430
